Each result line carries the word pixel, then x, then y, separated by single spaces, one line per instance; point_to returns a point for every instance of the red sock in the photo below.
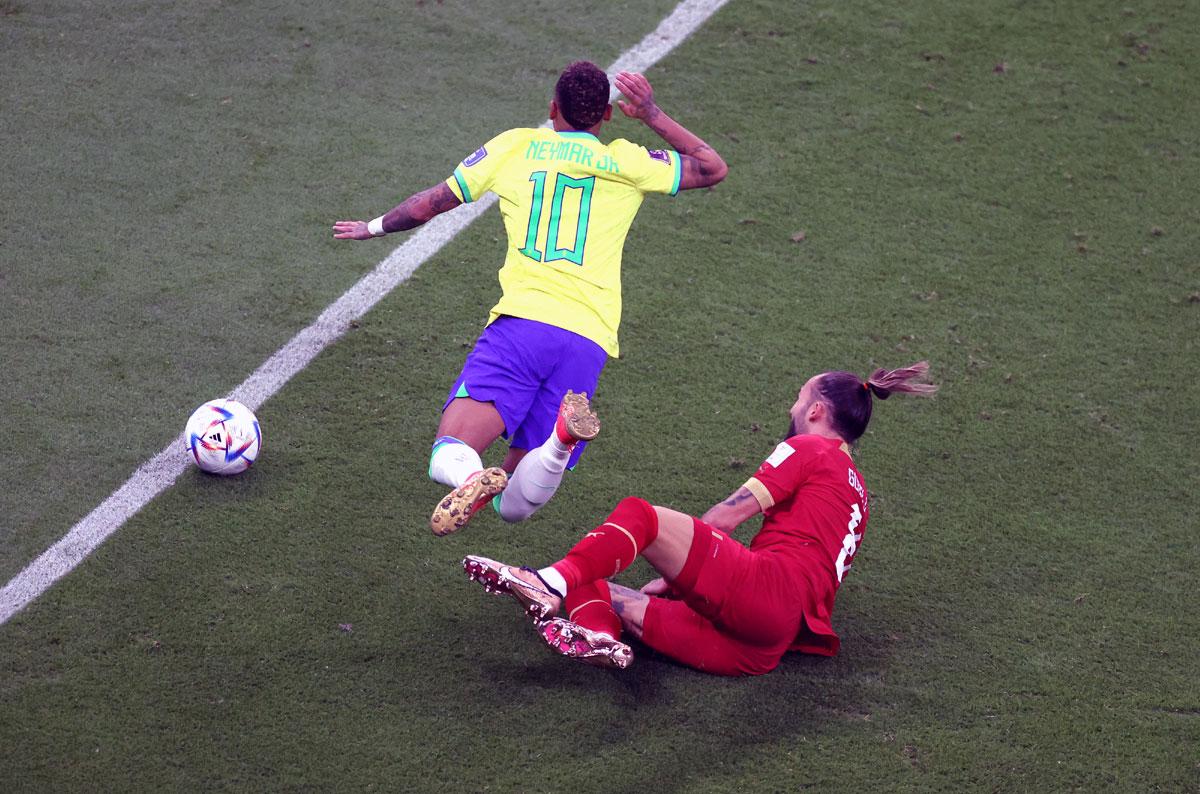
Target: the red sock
pixel 562 433
pixel 612 546
pixel 591 607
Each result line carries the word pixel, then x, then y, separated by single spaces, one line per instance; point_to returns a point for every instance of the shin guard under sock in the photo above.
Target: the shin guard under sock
pixel 453 461
pixel 612 546
pixel 591 607
pixel 535 480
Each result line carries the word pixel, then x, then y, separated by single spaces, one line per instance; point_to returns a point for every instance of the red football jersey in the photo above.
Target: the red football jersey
pixel 815 510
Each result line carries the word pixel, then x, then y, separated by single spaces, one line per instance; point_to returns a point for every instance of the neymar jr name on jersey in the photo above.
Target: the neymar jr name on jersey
pixel 570 151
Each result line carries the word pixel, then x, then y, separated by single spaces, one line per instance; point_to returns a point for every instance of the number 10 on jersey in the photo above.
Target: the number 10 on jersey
pixel 562 183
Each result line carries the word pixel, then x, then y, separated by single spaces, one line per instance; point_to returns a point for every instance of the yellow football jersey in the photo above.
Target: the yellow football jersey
pixel 567 201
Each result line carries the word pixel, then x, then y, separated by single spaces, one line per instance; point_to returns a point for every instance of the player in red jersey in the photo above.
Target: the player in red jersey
pixel 720 606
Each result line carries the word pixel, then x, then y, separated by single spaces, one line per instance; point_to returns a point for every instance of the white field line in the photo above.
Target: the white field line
pixel 157 474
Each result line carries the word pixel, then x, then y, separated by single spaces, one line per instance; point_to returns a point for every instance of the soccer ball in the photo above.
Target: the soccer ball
pixel 223 436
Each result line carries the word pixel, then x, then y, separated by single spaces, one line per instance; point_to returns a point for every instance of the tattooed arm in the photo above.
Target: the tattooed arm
pixel 701 164
pixel 630 606
pixel 415 210
pixel 726 515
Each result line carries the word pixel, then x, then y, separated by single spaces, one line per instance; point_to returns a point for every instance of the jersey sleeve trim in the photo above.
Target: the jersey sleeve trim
pixel 678 158
pixel 462 186
pixel 760 492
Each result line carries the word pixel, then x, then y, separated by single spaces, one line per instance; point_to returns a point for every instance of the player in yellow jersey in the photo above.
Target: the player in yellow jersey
pixel 568 201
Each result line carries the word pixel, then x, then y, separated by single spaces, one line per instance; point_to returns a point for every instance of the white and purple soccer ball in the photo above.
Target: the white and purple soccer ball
pixel 223 437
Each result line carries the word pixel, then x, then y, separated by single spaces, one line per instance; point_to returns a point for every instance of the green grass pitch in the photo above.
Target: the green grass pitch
pixel 1005 187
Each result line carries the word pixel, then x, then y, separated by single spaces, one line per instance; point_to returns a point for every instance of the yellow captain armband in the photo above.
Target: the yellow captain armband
pixel 760 492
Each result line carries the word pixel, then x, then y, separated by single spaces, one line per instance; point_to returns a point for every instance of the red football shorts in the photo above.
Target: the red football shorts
pixel 739 611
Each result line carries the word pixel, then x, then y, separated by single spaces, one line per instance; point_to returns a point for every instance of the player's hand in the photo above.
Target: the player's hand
pixel 658 587
pixel 640 96
pixel 351 230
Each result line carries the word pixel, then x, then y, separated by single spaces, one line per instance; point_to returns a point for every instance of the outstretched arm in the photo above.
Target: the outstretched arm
pixel 415 210
pixel 701 164
pixel 726 515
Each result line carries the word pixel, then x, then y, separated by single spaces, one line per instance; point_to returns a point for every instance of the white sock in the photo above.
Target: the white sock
pixel 452 462
pixel 535 480
pixel 555 579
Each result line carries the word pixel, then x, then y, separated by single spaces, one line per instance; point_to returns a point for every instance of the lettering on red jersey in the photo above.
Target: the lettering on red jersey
pixel 850 542
pixel 857 486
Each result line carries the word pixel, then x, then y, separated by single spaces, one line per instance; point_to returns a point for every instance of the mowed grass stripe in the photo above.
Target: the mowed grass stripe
pixel 156 475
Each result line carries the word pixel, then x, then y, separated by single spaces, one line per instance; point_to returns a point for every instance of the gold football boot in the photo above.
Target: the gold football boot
pixel 590 647
pixel 523 584
pixel 453 512
pixel 576 420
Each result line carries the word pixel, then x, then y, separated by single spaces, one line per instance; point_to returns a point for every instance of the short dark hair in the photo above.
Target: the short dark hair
pixel 582 94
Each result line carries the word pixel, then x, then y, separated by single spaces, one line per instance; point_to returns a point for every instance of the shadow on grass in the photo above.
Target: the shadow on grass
pixel 670 716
